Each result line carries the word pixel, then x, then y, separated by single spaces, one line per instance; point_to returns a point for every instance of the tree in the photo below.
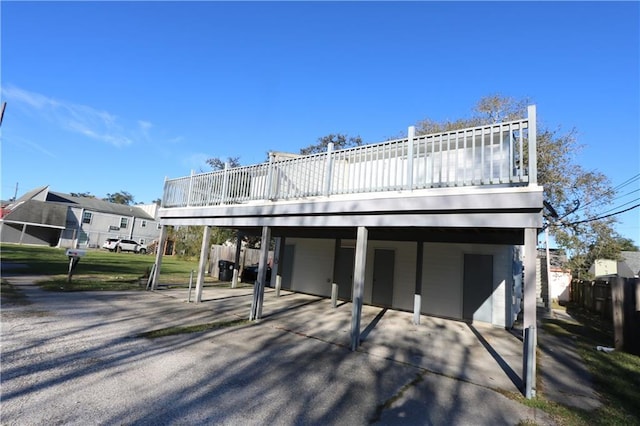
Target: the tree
pixel 566 182
pixel 339 140
pixel 217 163
pixel 122 197
pixel 82 194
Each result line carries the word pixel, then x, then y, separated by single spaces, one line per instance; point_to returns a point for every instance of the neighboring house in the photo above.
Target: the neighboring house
pixel 603 268
pixel 44 217
pixel 555 285
pixel 432 224
pixel 627 267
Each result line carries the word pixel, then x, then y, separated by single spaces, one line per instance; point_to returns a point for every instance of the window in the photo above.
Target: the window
pixel 143 224
pixel 124 221
pixel 86 217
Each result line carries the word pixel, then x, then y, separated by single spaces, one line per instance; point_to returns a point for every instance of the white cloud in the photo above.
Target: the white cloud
pixel 197 162
pixel 81 119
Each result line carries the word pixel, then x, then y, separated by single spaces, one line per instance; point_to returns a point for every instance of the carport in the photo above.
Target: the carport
pixel 470 186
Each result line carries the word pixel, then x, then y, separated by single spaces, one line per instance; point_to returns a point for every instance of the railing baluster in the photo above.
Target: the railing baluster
pixel 403 164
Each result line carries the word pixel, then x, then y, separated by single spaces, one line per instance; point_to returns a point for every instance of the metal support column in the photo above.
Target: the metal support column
pixel 276 271
pixel 258 289
pixel 334 284
pixel 204 255
pixel 417 296
pixel 155 272
pixel 236 264
pixel 358 285
pixel 529 316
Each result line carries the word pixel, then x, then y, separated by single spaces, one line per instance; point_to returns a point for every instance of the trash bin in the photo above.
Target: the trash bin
pixel 225 270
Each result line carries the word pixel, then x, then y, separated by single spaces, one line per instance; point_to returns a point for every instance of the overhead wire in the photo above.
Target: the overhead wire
pixel 613 191
pixel 592 219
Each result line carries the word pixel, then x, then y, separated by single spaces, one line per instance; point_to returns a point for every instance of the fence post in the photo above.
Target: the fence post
pixel 327 170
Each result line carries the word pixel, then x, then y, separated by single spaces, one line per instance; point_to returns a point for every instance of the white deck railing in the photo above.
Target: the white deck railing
pixel 501 153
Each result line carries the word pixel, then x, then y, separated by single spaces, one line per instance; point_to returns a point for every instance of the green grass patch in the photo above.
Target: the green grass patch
pixel 198 328
pixel 97 270
pixel 616 375
pixel 96 284
pixel 10 295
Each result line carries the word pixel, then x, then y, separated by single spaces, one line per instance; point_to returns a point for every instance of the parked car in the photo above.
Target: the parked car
pixel 250 274
pixel 119 244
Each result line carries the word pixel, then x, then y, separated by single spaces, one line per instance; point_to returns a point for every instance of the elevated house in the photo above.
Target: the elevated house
pixel 435 224
pixel 45 217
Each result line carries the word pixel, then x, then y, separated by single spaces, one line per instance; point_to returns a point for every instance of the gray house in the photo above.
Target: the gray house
pixel 435 224
pixel 44 217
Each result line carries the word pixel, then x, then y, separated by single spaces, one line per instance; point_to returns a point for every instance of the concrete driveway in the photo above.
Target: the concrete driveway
pixel 73 358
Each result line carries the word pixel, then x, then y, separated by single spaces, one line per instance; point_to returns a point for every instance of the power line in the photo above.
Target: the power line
pixel 621 205
pixel 613 191
pixel 600 217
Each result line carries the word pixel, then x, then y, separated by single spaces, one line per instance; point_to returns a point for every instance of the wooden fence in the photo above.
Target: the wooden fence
pixel 248 257
pixel 616 299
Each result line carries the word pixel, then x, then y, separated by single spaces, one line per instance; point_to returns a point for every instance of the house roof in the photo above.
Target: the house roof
pixel 37 212
pixel 631 260
pixel 95 204
pixel 43 194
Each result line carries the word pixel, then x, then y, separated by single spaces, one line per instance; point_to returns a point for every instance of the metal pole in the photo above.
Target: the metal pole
pixel 417 296
pixel 190 284
pixel 358 285
pixel 151 276
pixel 236 264
pixel 206 235
pixel 529 367
pixel 334 295
pixel 547 302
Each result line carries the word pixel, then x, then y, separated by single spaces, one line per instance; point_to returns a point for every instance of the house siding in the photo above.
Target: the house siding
pixel 312 267
pixel 442 283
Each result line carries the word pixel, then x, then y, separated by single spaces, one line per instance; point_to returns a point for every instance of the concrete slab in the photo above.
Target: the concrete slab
pixel 72 358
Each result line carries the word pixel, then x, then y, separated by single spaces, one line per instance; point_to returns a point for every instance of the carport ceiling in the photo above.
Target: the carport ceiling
pixel 437 235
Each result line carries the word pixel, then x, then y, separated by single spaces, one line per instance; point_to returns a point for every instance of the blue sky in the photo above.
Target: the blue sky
pixel 110 96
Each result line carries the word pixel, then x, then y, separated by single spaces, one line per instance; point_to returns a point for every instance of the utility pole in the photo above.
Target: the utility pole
pixel 4 105
pixel 15 194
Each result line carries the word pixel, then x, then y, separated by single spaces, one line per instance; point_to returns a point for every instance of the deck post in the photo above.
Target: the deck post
pixel 276 269
pixel 533 159
pixel 417 297
pixel 334 284
pixel 225 183
pixel 358 285
pixel 204 255
pixel 258 292
pixel 155 272
pixel 236 263
pixel 410 154
pixel 529 315
pixel 327 170
pixel 190 188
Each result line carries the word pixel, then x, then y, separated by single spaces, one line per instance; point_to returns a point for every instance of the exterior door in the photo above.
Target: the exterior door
pixel 477 288
pixel 287 267
pixel 344 272
pixel 383 270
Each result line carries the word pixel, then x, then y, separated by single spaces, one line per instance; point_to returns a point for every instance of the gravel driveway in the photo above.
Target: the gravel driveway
pixel 74 358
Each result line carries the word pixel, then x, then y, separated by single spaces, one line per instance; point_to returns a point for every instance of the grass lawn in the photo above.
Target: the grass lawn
pixel 616 375
pixel 97 270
